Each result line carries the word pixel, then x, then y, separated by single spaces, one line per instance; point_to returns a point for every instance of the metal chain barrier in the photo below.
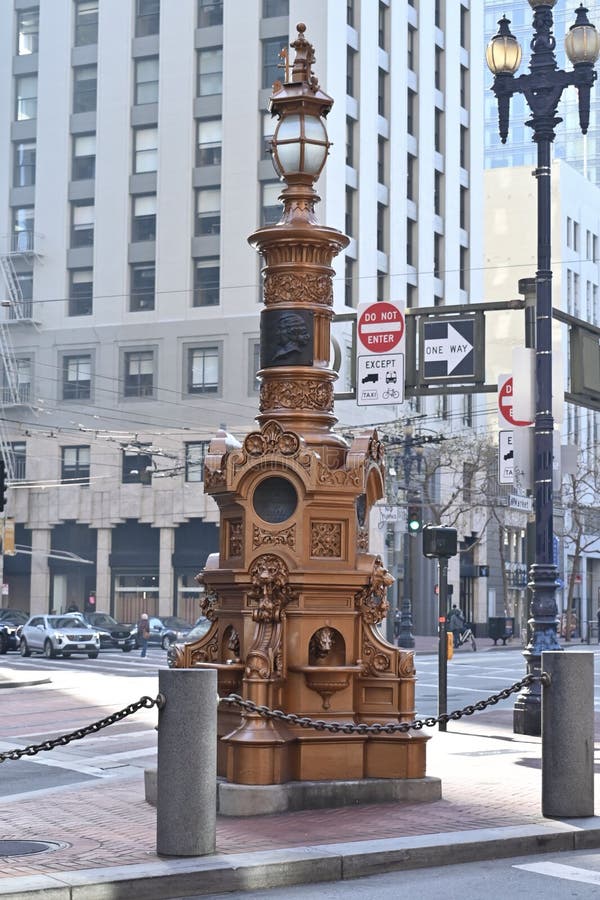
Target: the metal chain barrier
pixel 390 727
pixel 142 703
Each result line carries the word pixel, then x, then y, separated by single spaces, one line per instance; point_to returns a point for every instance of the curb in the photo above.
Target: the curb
pixel 221 873
pixel 17 684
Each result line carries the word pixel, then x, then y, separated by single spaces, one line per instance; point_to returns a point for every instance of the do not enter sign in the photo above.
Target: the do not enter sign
pixel 380 327
pixel 505 402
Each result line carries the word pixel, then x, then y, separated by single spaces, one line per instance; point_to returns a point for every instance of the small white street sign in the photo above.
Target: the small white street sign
pixel 380 379
pixel 506 457
pixel 515 501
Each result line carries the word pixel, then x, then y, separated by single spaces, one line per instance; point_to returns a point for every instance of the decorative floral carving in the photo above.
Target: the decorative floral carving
pixel 288 287
pixel 236 538
pixel 338 477
pixel 271 439
pixel 375 661
pixel 214 479
pixel 326 539
pixel 286 537
pixel 376 449
pixel 406 665
pixel 306 393
pixel 270 588
pixel 372 600
pixel 209 602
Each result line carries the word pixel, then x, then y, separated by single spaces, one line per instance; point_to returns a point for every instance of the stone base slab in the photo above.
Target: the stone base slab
pixel 262 800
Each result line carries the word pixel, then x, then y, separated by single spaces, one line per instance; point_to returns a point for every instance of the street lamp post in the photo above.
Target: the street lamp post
pixel 542 88
pixel 405 637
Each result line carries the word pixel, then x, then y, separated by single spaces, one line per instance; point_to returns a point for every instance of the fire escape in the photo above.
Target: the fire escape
pixel 17 257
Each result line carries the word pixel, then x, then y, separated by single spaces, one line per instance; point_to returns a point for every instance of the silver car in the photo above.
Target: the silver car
pixel 59 636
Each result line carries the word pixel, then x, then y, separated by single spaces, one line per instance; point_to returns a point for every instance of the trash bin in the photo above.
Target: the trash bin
pixel 501 628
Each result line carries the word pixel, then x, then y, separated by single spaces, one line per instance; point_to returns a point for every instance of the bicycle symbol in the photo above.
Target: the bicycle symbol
pixel 390 394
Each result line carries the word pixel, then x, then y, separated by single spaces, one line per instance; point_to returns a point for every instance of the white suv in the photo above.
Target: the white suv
pixel 59 635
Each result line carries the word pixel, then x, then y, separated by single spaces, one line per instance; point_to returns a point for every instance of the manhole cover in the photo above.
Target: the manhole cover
pixel 24 848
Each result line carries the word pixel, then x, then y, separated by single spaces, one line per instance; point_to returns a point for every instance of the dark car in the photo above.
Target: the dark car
pixel 14 616
pixel 201 626
pixel 113 634
pixel 167 630
pixel 11 621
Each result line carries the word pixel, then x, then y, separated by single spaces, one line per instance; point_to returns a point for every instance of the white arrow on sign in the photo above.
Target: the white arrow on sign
pixel 451 349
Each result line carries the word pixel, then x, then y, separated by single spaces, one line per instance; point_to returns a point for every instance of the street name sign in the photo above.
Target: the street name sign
pixel 380 354
pixel 516 501
pixel 448 349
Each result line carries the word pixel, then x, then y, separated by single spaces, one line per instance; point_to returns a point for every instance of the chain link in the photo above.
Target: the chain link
pixel 376 728
pixel 142 703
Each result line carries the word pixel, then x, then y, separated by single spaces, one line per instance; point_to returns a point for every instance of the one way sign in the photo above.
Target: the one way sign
pixel 448 349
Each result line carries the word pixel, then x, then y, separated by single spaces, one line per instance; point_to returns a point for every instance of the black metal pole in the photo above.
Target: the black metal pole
pixel 443 644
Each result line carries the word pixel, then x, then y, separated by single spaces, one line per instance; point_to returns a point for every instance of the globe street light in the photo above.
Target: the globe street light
pixel 542 88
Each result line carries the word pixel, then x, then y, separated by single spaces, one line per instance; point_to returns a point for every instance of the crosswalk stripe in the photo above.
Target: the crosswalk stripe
pixel 566 873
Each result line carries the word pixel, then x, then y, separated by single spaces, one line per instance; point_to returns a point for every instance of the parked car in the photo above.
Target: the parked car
pixel 14 616
pixel 113 634
pixel 201 626
pixel 59 635
pixel 10 622
pixel 167 630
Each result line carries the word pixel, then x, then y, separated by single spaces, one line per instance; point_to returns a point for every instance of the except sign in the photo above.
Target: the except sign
pixel 380 327
pixel 380 379
pixel 506 457
pixel 505 403
pixel 448 349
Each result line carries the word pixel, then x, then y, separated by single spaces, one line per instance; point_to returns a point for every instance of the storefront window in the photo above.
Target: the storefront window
pixel 189 595
pixel 134 595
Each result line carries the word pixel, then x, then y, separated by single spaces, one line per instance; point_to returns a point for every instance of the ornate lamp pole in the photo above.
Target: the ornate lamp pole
pixel 542 88
pixel 405 638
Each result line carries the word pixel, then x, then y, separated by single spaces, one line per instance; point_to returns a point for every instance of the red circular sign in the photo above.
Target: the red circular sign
pixel 505 404
pixel 380 327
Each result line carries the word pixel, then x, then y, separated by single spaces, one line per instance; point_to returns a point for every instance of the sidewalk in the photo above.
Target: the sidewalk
pixel 105 832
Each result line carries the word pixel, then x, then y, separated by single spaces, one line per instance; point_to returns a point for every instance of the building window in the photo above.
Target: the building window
pixel 464 269
pixel 464 86
pixel 143 223
pixel 381 151
pixel 268 132
pixel 254 357
pixel 16 387
pixel 137 467
pixel 195 454
pixel 26 87
pixel 271 207
pixel 207 282
pixel 569 232
pixel 75 465
pixel 438 125
pixel 349 219
pixel 208 150
pixel 381 285
pixel 350 71
pixel 24 164
pixel 147 17
pixel 139 373
pixel 77 377
pixel 84 157
pixel 22 228
pixel 464 22
pixel 576 236
pixel 271 60
pixel 381 217
pixel 438 64
pixel 28 31
pixel 411 296
pixel 146 80
pixel 146 150
pixel 349 141
pixel 412 48
pixel 382 25
pixel 203 370
pixel 437 255
pixel 210 71
pixel 208 211
pixel 594 248
pixel 437 192
pixel 85 83
pixel 81 292
pixel 274 8
pixel 210 12
pixel 143 278
pixel 349 281
pixel 411 242
pixel 18 450
pixel 82 224
pixel 350 13
pixel 86 22
pixel 381 92
pixel 25 287
pixel 411 114
pixel 464 147
pixel 411 183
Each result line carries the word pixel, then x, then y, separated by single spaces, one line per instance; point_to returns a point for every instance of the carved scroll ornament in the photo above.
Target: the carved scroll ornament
pixel 372 600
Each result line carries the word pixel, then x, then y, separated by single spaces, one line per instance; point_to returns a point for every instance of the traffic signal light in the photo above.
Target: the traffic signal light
pixel 414 517
pixel 3 485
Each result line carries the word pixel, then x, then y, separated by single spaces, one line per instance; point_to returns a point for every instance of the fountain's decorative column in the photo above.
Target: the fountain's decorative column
pixel 294 595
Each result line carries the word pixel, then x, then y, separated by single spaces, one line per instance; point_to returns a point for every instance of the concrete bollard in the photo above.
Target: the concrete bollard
pixel 186 807
pixel 568 735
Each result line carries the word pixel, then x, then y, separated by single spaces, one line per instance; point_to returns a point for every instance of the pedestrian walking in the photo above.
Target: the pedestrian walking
pixel 143 633
pixel 456 623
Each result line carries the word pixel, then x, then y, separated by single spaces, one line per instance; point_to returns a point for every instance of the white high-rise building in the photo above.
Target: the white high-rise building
pixel 133 139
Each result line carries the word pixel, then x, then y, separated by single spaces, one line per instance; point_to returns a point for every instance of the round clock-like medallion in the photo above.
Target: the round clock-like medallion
pixel 275 500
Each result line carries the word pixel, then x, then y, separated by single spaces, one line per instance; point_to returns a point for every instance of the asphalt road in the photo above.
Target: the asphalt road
pixel 562 875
